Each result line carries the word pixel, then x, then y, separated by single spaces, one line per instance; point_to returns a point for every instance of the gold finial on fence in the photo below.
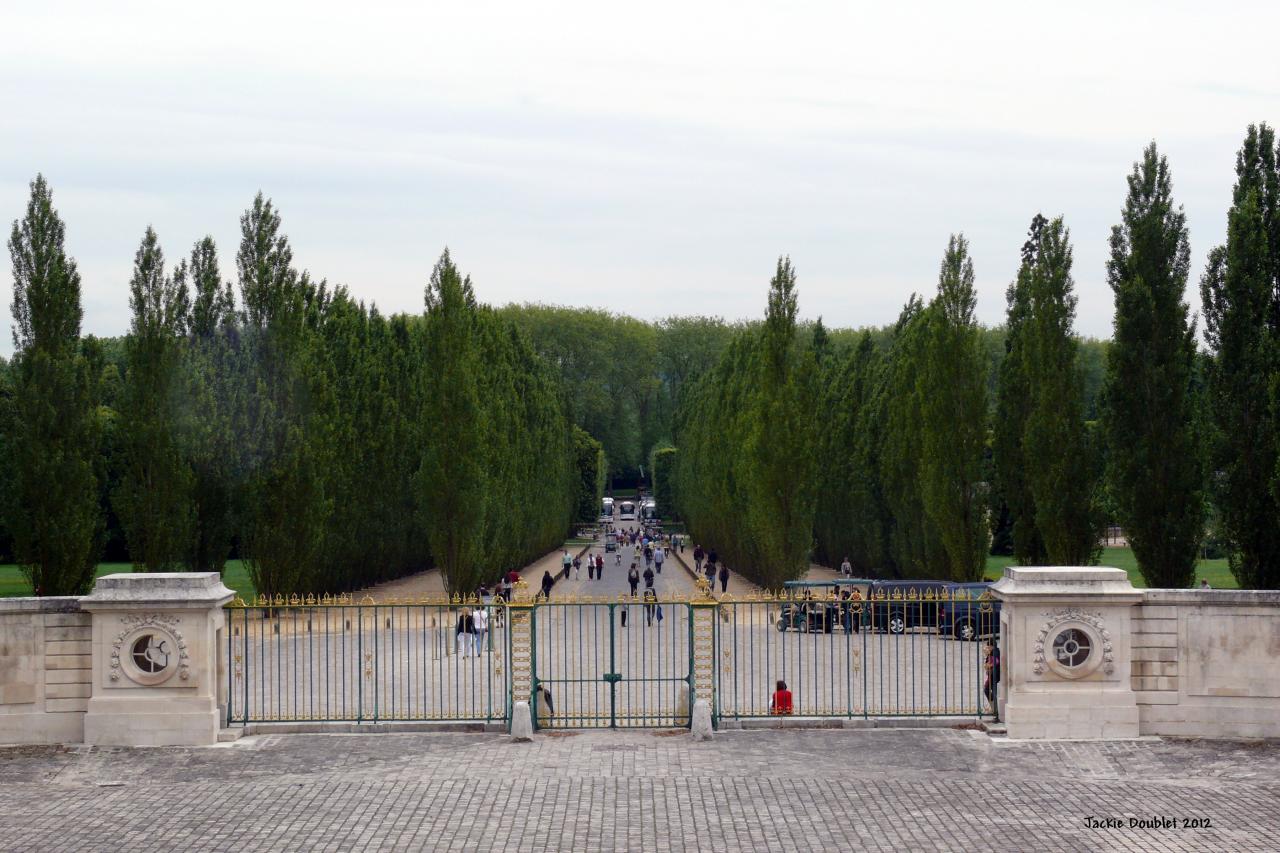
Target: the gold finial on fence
pixel 237 602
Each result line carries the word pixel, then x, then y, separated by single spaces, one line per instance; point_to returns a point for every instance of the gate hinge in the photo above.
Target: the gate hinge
pixel 612 677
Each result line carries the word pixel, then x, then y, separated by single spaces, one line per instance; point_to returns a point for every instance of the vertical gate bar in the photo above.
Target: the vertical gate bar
pixel 613 666
pixel 946 655
pixel 359 674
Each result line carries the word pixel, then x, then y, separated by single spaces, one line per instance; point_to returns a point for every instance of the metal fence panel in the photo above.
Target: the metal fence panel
pixel 340 660
pixel 885 657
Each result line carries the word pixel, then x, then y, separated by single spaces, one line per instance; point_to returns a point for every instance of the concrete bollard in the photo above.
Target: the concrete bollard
pixel 701 726
pixel 521 723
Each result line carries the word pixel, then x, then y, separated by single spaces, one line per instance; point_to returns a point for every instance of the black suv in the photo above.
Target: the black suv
pixel 971 613
pixel 896 606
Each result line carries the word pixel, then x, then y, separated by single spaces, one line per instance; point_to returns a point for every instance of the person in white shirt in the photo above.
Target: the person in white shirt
pixel 481 619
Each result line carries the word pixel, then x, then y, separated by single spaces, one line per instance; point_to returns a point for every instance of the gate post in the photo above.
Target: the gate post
pixel 1066 635
pixel 702 661
pixel 520 661
pixel 156 639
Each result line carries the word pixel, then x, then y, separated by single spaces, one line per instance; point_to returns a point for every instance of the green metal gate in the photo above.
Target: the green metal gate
pixel 616 664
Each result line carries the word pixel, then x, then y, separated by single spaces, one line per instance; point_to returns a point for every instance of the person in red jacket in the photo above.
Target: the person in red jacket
pixel 780 704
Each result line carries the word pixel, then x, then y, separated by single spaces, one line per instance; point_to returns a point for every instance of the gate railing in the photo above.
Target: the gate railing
pixel 888 656
pixel 584 663
pixel 339 659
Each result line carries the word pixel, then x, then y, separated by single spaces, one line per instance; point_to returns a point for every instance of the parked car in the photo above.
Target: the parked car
pixel 970 613
pixel 898 606
pixel 814 610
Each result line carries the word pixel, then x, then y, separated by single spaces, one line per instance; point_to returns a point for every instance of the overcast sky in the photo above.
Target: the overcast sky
pixel 649 158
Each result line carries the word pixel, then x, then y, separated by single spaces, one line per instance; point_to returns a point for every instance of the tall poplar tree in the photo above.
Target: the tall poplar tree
pixel 1062 471
pixel 953 406
pixel 1155 470
pixel 1240 291
pixel 782 440
pixel 452 475
pixel 283 398
pixel 1013 408
pixel 914 540
pixel 215 385
pixel 53 510
pixel 153 499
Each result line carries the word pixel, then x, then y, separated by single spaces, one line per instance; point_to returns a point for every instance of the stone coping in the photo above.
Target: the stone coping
pixel 45 604
pixel 1065 581
pixel 170 590
pixel 1229 597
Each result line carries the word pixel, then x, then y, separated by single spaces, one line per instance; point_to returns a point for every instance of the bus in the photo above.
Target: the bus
pixel 649 510
pixel 606 509
pixel 627 511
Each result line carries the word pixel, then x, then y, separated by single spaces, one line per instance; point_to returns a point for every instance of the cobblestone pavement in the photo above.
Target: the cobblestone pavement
pixel 775 790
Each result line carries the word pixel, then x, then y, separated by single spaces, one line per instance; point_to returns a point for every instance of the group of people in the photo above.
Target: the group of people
pixel 706 562
pixel 472 630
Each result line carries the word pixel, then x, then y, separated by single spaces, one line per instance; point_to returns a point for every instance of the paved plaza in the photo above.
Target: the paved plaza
pixel 778 790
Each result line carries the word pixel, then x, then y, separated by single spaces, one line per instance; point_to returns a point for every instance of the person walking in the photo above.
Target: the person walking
pixel 599 567
pixel 648 577
pixel 724 579
pixel 648 556
pixel 565 562
pixel 846 569
pixel 658 557
pixel 710 568
pixel 480 617
pixel 698 554
pixel 650 606
pixel 577 568
pixel 547 583
pixel 780 704
pixel 633 578
pixel 990 684
pixel 465 635
pixel 713 557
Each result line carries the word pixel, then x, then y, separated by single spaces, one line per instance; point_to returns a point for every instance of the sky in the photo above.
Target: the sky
pixel 651 159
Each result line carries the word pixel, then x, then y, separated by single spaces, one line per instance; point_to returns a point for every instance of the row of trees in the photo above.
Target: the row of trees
pixel 330 446
pixel 921 446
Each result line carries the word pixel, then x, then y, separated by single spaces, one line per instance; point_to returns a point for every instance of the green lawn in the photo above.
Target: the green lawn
pixel 1215 571
pixel 235 576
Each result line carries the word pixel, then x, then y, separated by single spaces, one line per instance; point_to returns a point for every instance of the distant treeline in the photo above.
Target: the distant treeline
pixel 912 451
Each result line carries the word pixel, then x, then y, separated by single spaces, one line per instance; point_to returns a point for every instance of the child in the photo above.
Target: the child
pixel 780 704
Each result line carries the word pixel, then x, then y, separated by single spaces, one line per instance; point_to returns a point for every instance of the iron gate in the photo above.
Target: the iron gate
pixel 612 664
pixel 341 660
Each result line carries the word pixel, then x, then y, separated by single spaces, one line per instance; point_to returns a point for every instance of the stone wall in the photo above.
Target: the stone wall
pixel 1206 663
pixel 45 670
